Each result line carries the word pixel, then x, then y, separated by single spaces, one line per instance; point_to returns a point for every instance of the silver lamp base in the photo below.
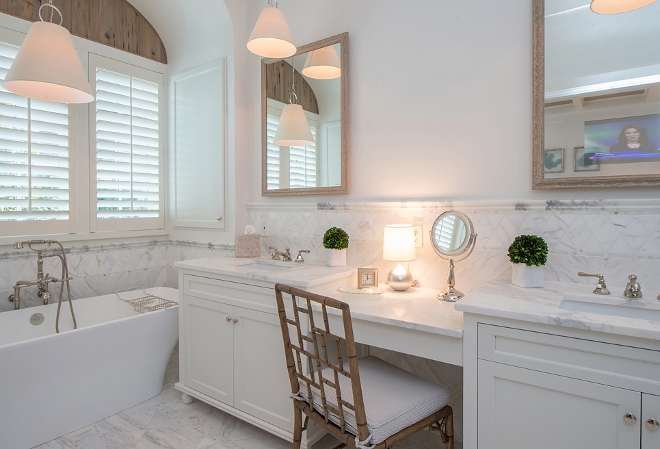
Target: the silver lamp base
pixel 400 278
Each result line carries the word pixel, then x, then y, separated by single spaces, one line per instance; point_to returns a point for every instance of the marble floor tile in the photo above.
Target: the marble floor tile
pixel 164 422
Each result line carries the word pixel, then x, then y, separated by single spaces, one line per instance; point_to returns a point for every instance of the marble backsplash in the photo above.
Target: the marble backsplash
pixel 615 238
pixel 102 268
pixel 612 237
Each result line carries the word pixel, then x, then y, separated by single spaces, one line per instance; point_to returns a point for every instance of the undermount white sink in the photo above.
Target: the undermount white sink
pixel 266 265
pixel 615 306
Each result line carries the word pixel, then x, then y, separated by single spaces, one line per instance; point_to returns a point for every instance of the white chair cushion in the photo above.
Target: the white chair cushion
pixel 393 398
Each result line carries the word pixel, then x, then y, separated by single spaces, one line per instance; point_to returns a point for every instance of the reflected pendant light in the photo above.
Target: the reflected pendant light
pixel 293 129
pixel 47 66
pixel 322 64
pixel 271 37
pixel 618 6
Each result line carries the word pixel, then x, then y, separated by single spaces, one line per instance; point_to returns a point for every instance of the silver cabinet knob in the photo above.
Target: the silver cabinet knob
pixel 652 424
pixel 228 319
pixel 235 320
pixel 629 418
pixel 218 218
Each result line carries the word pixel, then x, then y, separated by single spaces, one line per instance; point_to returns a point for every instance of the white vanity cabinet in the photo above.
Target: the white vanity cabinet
pixel 538 386
pixel 231 353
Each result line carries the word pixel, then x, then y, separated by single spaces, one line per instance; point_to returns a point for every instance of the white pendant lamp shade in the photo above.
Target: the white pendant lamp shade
pixel 271 37
pixel 322 64
pixel 618 6
pixel 47 67
pixel 293 130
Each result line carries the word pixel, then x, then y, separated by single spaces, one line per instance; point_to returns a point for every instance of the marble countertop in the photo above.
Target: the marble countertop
pixel 416 309
pixel 541 305
pixel 306 274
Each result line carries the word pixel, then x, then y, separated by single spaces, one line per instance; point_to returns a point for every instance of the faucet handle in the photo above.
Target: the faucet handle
pixel 299 257
pixel 601 288
pixel 274 254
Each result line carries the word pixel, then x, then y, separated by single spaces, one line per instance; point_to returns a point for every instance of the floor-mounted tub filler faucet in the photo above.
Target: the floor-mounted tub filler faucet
pixel 42 281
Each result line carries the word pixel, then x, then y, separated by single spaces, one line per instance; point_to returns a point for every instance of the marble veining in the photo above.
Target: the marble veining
pixel 164 422
pixel 541 305
pixel 612 237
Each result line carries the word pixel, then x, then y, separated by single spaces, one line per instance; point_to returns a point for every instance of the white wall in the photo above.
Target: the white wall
pixel 440 99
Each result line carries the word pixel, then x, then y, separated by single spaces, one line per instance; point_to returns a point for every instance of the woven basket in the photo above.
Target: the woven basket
pixel 248 245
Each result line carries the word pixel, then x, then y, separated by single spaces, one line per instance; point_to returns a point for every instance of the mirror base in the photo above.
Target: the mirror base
pixel 450 295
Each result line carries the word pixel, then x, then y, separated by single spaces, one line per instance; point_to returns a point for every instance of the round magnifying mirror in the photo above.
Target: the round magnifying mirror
pixel 452 235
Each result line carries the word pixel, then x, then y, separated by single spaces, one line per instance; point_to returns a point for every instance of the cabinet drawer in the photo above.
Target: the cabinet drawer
pixel 611 364
pixel 228 292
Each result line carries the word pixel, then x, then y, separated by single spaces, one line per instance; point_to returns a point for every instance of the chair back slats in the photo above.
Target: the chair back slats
pixel 316 349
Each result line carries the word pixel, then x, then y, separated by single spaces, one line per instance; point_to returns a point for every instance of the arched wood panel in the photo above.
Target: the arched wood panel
pixel 115 23
pixel 278 86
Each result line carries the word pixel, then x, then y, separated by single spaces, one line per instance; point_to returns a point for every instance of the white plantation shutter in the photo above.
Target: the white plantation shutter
pixel 273 161
pixel 128 145
pixel 303 164
pixel 35 176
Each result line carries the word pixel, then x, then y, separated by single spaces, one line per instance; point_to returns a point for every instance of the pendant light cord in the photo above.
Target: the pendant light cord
pixel 293 98
pixel 52 12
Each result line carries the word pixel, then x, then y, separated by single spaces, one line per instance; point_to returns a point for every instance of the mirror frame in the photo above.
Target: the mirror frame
pixel 342 40
pixel 467 244
pixel 538 114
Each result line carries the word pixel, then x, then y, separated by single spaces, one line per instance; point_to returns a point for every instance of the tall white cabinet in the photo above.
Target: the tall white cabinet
pixel 231 353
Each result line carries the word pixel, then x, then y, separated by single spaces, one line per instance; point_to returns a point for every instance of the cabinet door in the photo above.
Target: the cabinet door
pixel 521 409
pixel 261 380
pixel 650 411
pixel 206 348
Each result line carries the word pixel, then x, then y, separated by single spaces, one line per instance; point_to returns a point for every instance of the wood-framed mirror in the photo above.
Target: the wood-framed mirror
pixel 321 168
pixel 596 96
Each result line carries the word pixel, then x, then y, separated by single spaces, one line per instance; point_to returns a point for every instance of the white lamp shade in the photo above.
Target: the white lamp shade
pixel 399 243
pixel 271 36
pixel 322 64
pixel 293 130
pixel 47 67
pixel 617 6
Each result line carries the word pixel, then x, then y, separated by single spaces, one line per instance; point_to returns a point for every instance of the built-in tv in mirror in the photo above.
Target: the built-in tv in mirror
pixel 596 96
pixel 322 167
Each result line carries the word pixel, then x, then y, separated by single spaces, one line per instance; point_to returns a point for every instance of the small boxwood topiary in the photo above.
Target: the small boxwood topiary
pixel 528 249
pixel 335 238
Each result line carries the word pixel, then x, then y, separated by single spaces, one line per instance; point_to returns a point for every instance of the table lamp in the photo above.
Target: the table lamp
pixel 399 246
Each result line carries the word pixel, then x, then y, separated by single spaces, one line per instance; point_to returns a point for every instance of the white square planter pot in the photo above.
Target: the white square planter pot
pixel 528 277
pixel 335 257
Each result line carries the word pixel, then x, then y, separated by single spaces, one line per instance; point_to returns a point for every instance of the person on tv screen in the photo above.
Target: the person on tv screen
pixel 633 137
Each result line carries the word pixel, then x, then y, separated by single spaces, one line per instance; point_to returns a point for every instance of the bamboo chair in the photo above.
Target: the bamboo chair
pixel 372 407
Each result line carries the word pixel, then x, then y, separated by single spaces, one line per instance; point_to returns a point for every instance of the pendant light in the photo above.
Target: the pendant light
pixel 618 6
pixel 293 129
pixel 47 66
pixel 271 37
pixel 322 64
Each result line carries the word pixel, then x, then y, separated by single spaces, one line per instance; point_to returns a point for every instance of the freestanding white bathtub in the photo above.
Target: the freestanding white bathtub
pixel 52 384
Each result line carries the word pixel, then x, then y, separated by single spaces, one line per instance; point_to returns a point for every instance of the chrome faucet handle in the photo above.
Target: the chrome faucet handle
pixel 633 290
pixel 601 288
pixel 299 257
pixel 275 254
pixel 286 256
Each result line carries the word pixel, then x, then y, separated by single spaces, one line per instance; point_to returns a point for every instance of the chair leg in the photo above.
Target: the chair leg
pixel 449 431
pixel 297 427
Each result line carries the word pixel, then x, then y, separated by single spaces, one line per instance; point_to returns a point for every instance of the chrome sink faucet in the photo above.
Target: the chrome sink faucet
pixel 275 254
pixel 633 290
pixel 601 288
